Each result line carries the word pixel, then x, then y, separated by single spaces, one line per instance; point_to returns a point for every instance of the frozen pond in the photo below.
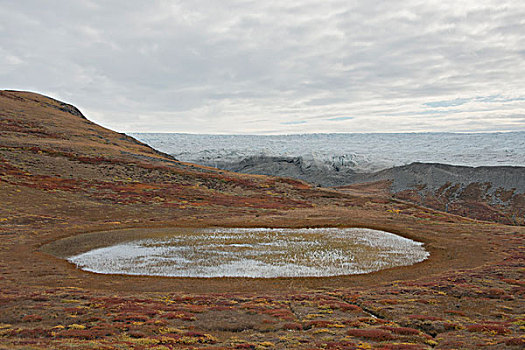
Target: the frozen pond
pixel 259 252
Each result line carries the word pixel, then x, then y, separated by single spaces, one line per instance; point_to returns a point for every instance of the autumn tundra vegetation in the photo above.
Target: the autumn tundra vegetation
pixel 64 180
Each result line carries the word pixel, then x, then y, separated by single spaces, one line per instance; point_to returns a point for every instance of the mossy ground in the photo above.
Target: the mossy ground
pixel 61 176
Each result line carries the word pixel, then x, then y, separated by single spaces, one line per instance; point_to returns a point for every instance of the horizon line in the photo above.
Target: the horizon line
pixel 329 133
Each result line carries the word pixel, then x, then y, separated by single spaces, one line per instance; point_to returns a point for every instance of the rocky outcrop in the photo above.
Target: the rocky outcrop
pixel 495 193
pixel 486 193
pixel 325 174
pixel 434 176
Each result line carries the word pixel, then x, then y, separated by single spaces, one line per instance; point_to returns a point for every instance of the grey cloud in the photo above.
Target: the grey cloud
pixel 295 122
pixel 269 66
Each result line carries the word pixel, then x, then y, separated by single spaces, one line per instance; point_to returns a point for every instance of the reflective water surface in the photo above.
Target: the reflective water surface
pixel 259 252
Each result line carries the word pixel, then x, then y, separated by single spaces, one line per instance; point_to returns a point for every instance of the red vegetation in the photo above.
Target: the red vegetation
pixel 373 334
pixel 31 318
pixel 125 317
pixel 455 312
pixel 488 328
pixel 181 315
pixel 283 314
pixel 401 347
pixel 338 305
pixel 400 330
pixel 293 326
pixel 30 333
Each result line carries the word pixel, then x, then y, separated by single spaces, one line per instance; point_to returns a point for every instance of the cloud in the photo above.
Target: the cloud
pixel 250 66
pixel 295 122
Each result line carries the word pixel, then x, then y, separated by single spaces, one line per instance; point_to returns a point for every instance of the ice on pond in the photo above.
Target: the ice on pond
pixel 259 252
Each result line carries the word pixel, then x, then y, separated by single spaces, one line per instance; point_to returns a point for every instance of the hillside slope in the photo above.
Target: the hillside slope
pixel 50 153
pixel 486 193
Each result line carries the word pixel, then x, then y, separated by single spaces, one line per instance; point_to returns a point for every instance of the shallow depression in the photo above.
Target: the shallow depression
pixel 262 252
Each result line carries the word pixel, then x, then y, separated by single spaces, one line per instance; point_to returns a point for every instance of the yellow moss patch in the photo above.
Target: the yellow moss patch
pixel 335 325
pixel 431 342
pixel 143 341
pixel 267 344
pixel 323 330
pixel 76 326
pixel 236 340
pixel 165 330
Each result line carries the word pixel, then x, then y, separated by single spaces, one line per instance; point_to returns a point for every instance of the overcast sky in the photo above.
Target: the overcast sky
pixel 273 66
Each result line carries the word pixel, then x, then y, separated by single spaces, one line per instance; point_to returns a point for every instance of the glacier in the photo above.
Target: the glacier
pixel 357 153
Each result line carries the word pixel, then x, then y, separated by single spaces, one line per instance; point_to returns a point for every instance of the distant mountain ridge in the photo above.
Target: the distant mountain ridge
pixel 489 193
pixel 324 174
pixel 435 175
pixel 495 193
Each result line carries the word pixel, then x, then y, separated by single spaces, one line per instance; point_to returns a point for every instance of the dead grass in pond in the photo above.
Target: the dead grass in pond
pixel 255 253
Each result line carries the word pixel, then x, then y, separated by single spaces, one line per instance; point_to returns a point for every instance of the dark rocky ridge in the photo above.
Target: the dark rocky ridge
pixel 59 105
pixel 489 193
pixel 495 193
pixel 434 176
pixel 327 175
pixel 431 175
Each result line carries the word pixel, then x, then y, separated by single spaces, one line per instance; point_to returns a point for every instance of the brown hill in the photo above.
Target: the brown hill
pixel 49 152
